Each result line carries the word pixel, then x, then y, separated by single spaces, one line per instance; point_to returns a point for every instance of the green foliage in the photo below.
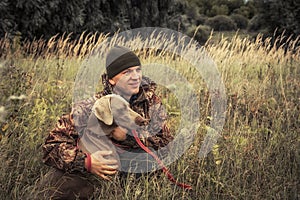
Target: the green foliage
pixel 219 10
pixel 200 33
pixel 201 20
pixel 106 16
pixel 7 23
pixel 148 13
pixel 240 21
pixel 36 18
pixel 246 11
pixel 282 16
pixel 221 23
pixel 212 8
pixel 256 23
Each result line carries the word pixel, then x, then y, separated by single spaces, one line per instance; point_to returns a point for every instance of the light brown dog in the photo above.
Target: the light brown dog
pixel 114 110
pixel 110 118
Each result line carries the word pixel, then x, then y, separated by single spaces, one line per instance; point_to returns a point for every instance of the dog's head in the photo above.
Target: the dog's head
pixel 114 109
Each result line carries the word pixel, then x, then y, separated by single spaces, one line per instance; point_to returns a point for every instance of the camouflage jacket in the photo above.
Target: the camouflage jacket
pixel 60 147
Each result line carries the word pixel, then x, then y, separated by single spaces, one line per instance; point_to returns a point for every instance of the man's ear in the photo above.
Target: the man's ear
pixel 102 110
pixel 112 82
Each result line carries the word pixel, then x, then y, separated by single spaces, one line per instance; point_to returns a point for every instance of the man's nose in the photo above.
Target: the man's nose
pixel 135 74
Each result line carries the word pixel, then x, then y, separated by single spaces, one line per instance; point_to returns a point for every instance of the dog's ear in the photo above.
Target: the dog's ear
pixel 102 110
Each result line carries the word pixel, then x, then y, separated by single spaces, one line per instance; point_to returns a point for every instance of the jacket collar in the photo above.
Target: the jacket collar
pixel 139 97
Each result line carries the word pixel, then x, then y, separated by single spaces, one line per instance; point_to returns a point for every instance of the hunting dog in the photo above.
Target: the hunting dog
pixel 110 115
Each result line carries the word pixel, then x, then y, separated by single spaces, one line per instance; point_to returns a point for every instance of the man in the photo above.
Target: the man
pixel 70 176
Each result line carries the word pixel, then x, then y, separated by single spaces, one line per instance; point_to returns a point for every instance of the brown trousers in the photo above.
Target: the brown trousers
pixel 57 184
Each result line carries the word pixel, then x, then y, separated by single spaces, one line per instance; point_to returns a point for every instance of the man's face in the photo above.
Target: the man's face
pixel 127 82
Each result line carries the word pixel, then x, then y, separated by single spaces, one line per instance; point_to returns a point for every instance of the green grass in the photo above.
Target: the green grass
pixel 257 156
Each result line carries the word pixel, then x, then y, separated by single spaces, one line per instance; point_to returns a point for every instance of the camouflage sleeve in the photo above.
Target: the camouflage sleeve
pixel 158 130
pixel 60 148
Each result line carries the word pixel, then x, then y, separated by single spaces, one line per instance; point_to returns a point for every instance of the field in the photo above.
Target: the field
pixel 256 157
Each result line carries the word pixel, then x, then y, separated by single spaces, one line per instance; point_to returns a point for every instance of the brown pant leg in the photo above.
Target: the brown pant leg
pixel 57 184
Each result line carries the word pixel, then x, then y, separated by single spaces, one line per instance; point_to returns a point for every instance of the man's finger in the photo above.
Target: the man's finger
pixel 111 162
pixel 105 161
pixel 104 177
pixel 109 167
pixel 107 172
pixel 103 153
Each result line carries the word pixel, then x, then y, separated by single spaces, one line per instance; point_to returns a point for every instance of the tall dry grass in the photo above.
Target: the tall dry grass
pixel 257 156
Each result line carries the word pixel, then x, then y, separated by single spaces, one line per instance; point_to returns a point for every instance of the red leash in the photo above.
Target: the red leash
pixel 165 170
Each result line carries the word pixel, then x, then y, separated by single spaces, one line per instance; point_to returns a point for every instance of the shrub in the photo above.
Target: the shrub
pixel 256 23
pixel 219 10
pixel 180 23
pixel 200 33
pixel 240 20
pixel 221 23
pixel 201 19
pixel 244 11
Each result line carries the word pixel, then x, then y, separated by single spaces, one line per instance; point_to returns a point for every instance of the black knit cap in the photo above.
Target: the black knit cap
pixel 118 59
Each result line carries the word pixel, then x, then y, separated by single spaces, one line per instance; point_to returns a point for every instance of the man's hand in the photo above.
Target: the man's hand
pixel 101 166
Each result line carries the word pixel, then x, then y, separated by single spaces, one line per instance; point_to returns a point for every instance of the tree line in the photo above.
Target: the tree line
pixel 45 18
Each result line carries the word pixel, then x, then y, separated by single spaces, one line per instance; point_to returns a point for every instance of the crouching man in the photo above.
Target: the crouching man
pixel 72 167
